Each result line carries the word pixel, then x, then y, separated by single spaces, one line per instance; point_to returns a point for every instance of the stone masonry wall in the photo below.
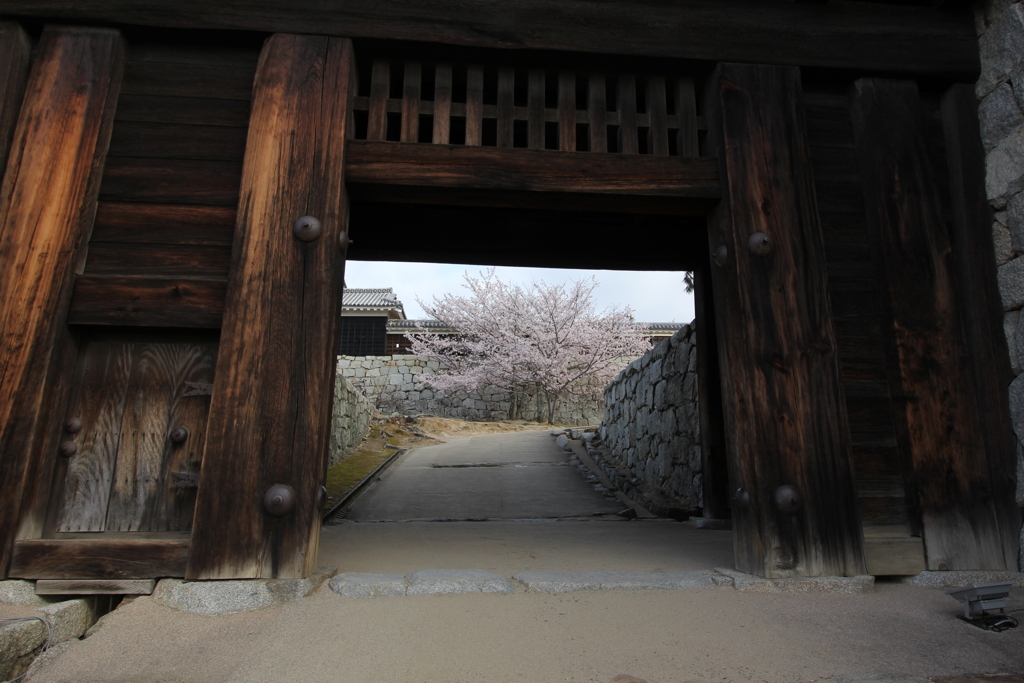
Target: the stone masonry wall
pixel 651 426
pixel 401 383
pixel 350 419
pixel 1000 92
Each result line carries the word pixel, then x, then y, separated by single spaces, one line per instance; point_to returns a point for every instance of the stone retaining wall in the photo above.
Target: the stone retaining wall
pixel 350 419
pixel 651 427
pixel 1000 91
pixel 401 383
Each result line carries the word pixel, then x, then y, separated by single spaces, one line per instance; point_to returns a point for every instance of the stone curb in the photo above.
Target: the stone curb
pixel 242 595
pixel 961 579
pixel 560 582
pixel 843 585
pixel 426 582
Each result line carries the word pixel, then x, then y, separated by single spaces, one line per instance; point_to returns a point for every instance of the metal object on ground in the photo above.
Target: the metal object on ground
pixel 307 229
pixel 760 244
pixel 980 598
pixel 179 435
pixel 789 500
pixel 68 448
pixel 279 500
pixel 73 426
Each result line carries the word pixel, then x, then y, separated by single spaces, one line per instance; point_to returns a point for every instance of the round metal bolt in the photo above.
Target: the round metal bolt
pixel 73 426
pixel 308 229
pixel 343 241
pixel 179 435
pixel 321 498
pixel 721 255
pixel 741 498
pixel 68 448
pixel 760 244
pixel 279 500
pixel 789 500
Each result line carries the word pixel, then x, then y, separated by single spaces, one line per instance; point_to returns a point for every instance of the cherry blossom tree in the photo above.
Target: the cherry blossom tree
pixel 541 338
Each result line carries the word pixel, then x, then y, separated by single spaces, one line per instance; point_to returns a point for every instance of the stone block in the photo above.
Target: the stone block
pixel 960 579
pixel 415 370
pixel 356 585
pixel 1011 284
pixel 455 581
pixel 845 585
pixel 19 592
pixel 1003 169
pixel 395 380
pixel 1001 48
pixel 1002 241
pixel 348 372
pixel 19 641
pixel 1011 328
pixel 70 618
pixel 222 597
pixel 999 115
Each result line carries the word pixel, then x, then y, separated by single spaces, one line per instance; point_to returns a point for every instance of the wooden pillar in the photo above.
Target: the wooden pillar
pixel 47 205
pixel 714 465
pixel 14 56
pixel 784 408
pixel 936 410
pixel 270 411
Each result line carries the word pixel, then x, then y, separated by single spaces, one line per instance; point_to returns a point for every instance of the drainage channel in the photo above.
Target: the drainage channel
pixel 340 509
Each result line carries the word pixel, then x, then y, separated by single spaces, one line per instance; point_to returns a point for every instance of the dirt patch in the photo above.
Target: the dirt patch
pixel 389 434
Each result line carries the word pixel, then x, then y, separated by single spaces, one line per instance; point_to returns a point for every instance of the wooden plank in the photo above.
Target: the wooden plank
pixel 686 113
pixel 184 110
pixel 95 587
pixel 626 105
pixel 269 422
pixel 657 112
pixel 714 462
pixel 15 47
pixel 936 414
pixel 597 111
pixel 171 181
pixel 46 207
pixel 566 111
pixel 783 397
pixel 380 88
pixel 411 86
pixel 535 109
pixel 455 166
pixel 891 554
pixel 158 260
pixel 176 141
pixel 442 104
pixel 474 105
pixel 971 240
pixel 506 103
pixel 845 35
pixel 163 224
pixel 197 80
pixel 99 392
pixel 141 498
pixel 147 302
pixel 109 560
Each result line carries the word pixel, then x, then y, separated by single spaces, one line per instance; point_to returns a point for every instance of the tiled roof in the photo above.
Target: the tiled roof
pixel 370 297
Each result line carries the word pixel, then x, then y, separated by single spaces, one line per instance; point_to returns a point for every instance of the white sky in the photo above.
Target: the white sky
pixel 655 297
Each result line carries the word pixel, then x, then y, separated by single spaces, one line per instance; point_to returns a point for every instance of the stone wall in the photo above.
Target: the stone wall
pixel 1000 91
pixel 651 427
pixel 401 383
pixel 350 419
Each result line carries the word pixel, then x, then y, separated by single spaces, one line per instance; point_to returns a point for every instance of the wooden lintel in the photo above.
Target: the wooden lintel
pixel 47 205
pixel 95 586
pixel 846 35
pixel 147 302
pixel 108 560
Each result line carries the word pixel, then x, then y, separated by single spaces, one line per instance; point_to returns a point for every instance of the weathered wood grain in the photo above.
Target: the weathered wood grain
pixel 380 87
pixel 936 416
pixel 147 302
pixel 657 113
pixel 95 587
pixel 46 207
pixel 845 35
pixel 456 166
pixel 686 113
pixel 535 109
pixel 597 111
pixel 442 104
pixel 474 105
pixel 98 399
pixel 412 83
pixel 566 111
pixel 506 105
pixel 15 47
pixel 158 260
pixel 626 106
pixel 714 463
pixel 785 414
pixel 177 141
pixel 110 560
pixel 164 224
pixel 195 80
pixel 183 110
pixel 269 422
pixel 971 240
pixel 171 181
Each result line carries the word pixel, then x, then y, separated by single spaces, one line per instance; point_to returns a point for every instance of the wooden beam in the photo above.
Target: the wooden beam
pixel 976 283
pixel 14 55
pixel 147 302
pixel 784 407
pixel 270 422
pixel 846 35
pixel 46 208
pixel 100 559
pixel 95 587
pixel 714 463
pixel 525 170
